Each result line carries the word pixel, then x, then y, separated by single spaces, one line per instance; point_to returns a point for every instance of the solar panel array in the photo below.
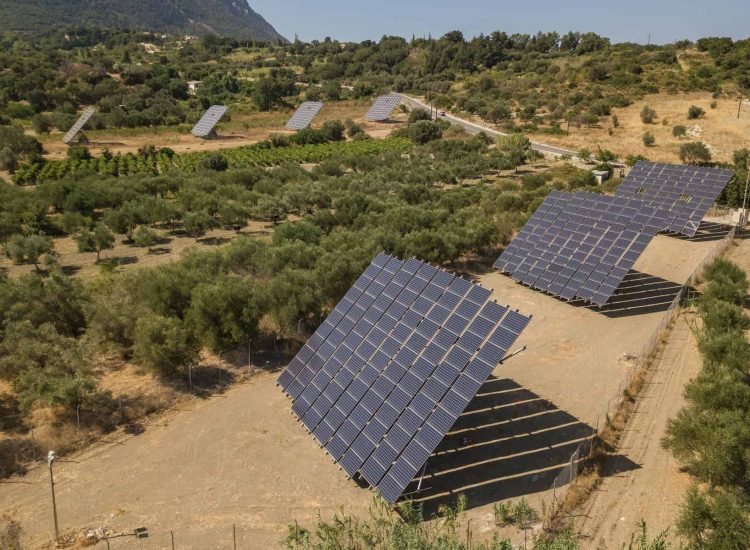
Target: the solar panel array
pixel 205 126
pixel 80 123
pixel 394 365
pixel 580 246
pixel 686 192
pixel 383 106
pixel 304 115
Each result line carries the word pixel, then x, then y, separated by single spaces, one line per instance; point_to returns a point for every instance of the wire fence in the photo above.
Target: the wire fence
pixel 639 364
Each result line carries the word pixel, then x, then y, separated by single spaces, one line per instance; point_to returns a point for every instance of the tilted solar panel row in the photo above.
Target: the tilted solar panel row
pixel 382 108
pixel 205 126
pixel 393 366
pixel 581 246
pixel 304 115
pixel 685 192
pixel 79 124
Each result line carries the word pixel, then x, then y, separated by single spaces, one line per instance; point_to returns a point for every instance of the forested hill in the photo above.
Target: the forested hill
pixel 231 18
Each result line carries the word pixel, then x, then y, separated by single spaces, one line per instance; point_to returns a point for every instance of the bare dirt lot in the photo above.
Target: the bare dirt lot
pixel 244 128
pixel 243 459
pixel 720 129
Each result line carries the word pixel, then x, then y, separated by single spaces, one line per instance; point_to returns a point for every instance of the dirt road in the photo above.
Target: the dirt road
pixel 654 490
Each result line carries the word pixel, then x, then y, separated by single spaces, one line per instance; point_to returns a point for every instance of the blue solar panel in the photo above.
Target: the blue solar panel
pixel 380 390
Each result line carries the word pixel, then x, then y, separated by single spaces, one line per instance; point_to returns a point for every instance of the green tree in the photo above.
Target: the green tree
pixel 101 238
pixel 164 344
pixel 28 249
pixel 695 153
pixel 715 520
pixel 45 368
pixel 226 312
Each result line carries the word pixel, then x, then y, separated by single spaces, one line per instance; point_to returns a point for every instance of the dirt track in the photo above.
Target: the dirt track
pixel 655 488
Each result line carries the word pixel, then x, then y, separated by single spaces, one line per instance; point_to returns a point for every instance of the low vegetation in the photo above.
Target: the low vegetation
pixel 711 435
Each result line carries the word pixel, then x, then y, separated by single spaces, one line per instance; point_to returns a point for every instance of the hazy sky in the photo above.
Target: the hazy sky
pixel 623 20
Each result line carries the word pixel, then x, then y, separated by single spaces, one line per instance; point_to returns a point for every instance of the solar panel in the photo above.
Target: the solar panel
pixel 684 192
pixel 88 112
pixel 581 246
pixel 382 107
pixel 381 401
pixel 304 115
pixel 205 126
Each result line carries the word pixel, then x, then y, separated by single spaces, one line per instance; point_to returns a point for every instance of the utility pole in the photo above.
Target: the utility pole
pixel 50 460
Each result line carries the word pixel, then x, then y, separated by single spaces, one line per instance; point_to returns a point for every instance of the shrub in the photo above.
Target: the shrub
pixel 695 112
pixel 679 131
pixel 648 115
pixel 648 139
pixel 418 114
pixel 145 237
pixel 79 152
pixel 215 161
pixel 333 130
pixel 424 131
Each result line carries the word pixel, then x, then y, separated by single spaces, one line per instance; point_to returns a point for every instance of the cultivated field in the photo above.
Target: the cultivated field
pixel 242 458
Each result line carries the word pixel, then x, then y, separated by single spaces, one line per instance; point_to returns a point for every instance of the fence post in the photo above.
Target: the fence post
pixel 234 536
pixel 33 444
pixel 171 533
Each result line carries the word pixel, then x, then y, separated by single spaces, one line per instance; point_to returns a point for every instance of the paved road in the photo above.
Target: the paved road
pixel 474 128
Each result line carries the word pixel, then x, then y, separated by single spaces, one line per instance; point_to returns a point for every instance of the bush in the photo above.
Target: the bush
pixel 679 131
pixel 648 115
pixel 695 112
pixel 418 114
pixel 145 237
pixel 79 152
pixel 695 153
pixel 308 136
pixel 215 161
pixel 423 131
pixel 648 139
pixel 333 130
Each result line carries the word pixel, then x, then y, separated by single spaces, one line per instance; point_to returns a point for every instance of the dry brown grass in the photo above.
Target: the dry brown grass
pixel 720 129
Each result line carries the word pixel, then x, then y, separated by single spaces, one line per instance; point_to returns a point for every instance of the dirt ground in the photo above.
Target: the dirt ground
pixel 656 488
pixel 242 458
pixel 720 129
pixel 244 128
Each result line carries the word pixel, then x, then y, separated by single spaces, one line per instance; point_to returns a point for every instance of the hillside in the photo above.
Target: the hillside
pixel 223 17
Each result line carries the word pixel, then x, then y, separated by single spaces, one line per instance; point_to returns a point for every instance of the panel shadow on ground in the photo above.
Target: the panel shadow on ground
pixel 509 442
pixel 638 294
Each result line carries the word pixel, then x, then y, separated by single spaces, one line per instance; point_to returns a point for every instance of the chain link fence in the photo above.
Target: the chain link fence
pixel 640 363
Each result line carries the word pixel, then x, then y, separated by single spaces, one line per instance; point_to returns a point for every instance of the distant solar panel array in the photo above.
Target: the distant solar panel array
pixel 78 126
pixel 304 115
pixel 393 366
pixel 580 246
pixel 382 108
pixel 686 192
pixel 205 126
